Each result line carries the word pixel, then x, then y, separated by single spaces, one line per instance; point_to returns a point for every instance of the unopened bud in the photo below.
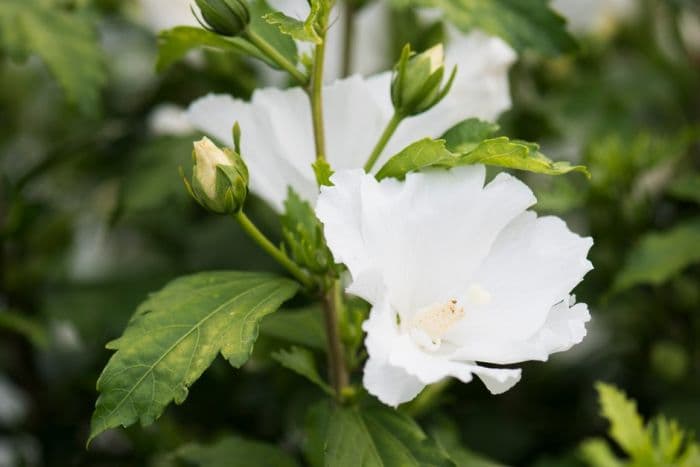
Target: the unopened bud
pixel 219 178
pixel 225 17
pixel 417 82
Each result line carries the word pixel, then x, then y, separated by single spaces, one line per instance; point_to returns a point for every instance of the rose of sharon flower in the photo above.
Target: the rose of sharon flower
pixel 457 273
pixel 277 136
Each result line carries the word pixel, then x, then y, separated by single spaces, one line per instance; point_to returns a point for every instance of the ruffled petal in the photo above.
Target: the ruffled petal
pixel 532 266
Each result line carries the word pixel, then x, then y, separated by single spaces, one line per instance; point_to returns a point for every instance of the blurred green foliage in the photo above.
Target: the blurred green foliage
pixel 93 216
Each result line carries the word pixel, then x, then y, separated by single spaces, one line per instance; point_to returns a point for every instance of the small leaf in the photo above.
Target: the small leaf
pixel 511 154
pixel 281 42
pixel 467 134
pixel 303 326
pixel 232 451
pixel 323 172
pixel 660 256
pixel 174 43
pixel 65 40
pixel 175 335
pixel 303 235
pixel 301 361
pixel 524 24
pixel 300 30
pixel 597 453
pixel 626 425
pixel 419 155
pixel 379 437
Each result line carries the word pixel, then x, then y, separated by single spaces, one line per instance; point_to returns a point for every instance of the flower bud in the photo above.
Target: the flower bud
pixel 225 17
pixel 219 178
pixel 416 84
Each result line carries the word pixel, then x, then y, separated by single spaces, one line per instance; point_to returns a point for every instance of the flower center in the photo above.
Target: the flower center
pixel 431 323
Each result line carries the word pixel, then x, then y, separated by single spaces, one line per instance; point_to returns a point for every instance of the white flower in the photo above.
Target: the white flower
pixel 277 139
pixel 595 16
pixel 457 273
pixel 166 14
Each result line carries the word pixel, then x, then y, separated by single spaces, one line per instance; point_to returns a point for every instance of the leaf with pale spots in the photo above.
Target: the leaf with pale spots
pixel 175 335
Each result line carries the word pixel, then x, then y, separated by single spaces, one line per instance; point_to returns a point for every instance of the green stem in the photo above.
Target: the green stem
pixel 315 92
pixel 348 33
pixel 276 57
pixel 332 301
pixel 272 250
pixel 383 140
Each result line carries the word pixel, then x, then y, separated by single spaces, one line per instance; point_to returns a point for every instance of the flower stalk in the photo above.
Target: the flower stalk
pixel 383 140
pixel 279 256
pixel 315 92
pixel 332 301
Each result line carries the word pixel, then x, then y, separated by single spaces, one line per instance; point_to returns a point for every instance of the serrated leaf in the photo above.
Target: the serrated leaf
pixel 524 24
pixel 301 361
pixel 175 335
pixel 233 451
pixel 281 42
pixel 511 154
pixel 65 40
pixel 499 152
pixel 686 188
pixel 174 43
pixel 304 326
pixel 626 425
pixel 467 134
pixel 300 30
pixel 596 453
pixel 660 256
pixel 416 156
pixel 378 437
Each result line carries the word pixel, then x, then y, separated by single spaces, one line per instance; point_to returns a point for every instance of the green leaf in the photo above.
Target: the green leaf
pixel 323 172
pixel 300 30
pixel 416 156
pixel 233 451
pixel 303 235
pixel 380 437
pixel 175 335
pixel 499 152
pixel 281 42
pixel 660 256
pixel 520 155
pixel 174 43
pixel 686 188
pixel 301 361
pixel 626 425
pixel 524 24
pixel 466 135
pixel 596 453
pixel 65 41
pixel 26 326
pixel 447 438
pixel 303 326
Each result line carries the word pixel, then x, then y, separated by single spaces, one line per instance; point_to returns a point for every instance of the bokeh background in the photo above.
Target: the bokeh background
pixel 93 216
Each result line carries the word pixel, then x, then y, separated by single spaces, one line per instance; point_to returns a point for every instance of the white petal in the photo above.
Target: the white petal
pixel 390 384
pixel 498 380
pixel 533 264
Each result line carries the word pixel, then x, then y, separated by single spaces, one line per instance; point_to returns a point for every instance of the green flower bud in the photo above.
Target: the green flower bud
pixel 219 178
pixel 416 85
pixel 225 17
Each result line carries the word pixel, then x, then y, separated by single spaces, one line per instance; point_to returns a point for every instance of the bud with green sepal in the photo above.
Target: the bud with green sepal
pixel 224 17
pixel 219 177
pixel 416 85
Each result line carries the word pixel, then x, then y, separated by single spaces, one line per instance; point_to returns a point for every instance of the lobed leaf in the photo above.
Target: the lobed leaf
pixel 626 425
pixel 300 30
pixel 175 335
pixel 467 134
pixel 422 154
